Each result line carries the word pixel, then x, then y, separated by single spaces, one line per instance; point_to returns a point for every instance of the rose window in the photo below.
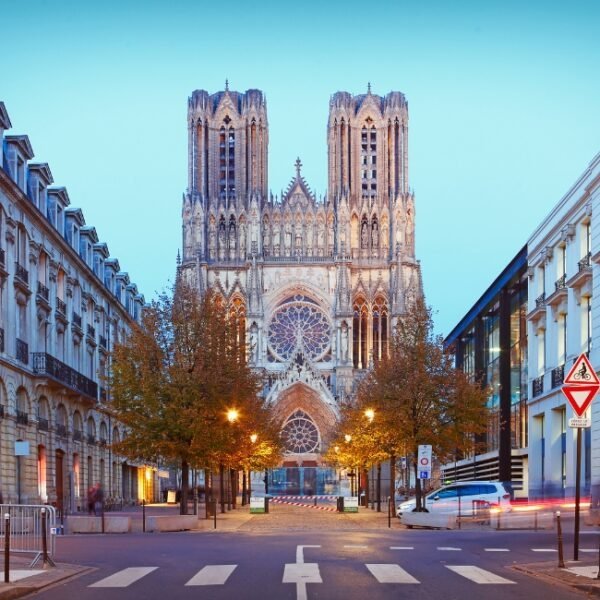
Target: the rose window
pixel 299 322
pixel 300 435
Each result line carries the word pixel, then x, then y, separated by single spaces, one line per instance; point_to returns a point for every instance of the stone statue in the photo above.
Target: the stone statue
pixel 288 235
pixel 409 229
pixel 212 240
pixel 364 236
pixel 243 240
pixel 276 237
pixel 266 237
pixel 375 235
pixel 344 343
pixel 309 238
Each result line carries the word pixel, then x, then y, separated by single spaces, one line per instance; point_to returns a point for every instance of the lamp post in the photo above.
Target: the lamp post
pixel 253 438
pixel 232 416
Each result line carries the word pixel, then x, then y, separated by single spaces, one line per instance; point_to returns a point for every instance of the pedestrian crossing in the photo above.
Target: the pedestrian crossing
pixel 218 575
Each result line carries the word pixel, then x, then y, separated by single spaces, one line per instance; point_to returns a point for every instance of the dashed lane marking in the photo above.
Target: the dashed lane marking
pixel 391 573
pixel 449 548
pixel 402 547
pixel 124 578
pixel 544 550
pixel 212 575
pixel 355 547
pixel 496 549
pixel 477 574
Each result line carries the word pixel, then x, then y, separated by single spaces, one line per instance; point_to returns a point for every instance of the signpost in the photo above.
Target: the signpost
pixel 580 386
pixel 424 464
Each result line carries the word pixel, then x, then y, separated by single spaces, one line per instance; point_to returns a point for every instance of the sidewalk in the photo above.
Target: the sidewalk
pixel 579 574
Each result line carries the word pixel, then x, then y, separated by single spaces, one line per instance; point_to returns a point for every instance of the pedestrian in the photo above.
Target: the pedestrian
pixel 91 499
pixel 98 499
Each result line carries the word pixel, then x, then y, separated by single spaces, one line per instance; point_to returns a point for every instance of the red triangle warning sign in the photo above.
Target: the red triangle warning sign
pixel 582 372
pixel 580 396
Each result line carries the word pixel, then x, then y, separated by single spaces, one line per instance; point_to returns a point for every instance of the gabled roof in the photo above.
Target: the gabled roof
pixel 22 142
pixel 102 248
pixel 61 194
pixel 297 184
pixel 90 231
pixel 43 172
pixel 4 118
pixel 77 214
pixel 113 264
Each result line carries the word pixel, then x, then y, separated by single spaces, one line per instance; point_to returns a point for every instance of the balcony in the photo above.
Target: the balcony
pixel 21 274
pixel 558 299
pixel 2 257
pixel 103 394
pixel 558 375
pixel 102 341
pixel 45 364
pixel 77 435
pixel 537 386
pixel 43 292
pixel 91 331
pixel 539 310
pixel 22 418
pixel 1 340
pixel 61 307
pixel 42 424
pixel 581 282
pixel 61 431
pixel 22 352
pixel 76 320
pixel 91 439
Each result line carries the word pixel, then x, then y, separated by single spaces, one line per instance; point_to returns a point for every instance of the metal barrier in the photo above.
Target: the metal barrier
pixel 26 528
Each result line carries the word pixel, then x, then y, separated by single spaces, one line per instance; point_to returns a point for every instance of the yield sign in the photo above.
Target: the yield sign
pixel 582 372
pixel 580 396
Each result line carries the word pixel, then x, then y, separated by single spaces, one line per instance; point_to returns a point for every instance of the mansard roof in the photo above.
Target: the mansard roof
pixel 4 118
pixel 90 231
pixel 113 263
pixel 77 214
pixel 102 248
pixel 23 143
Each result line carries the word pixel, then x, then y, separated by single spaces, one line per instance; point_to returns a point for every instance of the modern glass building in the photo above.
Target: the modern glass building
pixel 490 344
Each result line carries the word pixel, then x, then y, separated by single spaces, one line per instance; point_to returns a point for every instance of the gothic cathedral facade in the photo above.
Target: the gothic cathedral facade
pixel 318 282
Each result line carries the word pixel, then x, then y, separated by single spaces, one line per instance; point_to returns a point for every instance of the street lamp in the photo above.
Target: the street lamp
pixel 253 438
pixel 232 415
pixel 370 414
pixel 348 438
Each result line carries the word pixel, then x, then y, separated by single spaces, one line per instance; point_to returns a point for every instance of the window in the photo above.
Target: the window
pixel 451 492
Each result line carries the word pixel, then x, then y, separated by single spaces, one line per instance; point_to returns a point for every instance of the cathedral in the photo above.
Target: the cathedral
pixel 318 282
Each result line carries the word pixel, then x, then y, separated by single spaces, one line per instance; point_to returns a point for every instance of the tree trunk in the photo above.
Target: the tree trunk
pixel 418 492
pixel 207 491
pixel 243 487
pixel 393 478
pixel 378 487
pixel 249 484
pixel 222 486
pixel 185 476
pixel 233 477
pixel 366 484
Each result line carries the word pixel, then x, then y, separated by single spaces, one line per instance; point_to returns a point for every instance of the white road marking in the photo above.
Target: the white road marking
pixel 587 571
pixel 449 548
pixel 544 550
pixel 389 573
pixel 212 575
pixel 124 578
pixel 496 549
pixel 355 547
pixel 589 550
pixel 18 574
pixel 302 573
pixel 402 547
pixel 477 574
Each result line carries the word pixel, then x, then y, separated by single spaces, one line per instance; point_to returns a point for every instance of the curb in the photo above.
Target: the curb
pixel 9 591
pixel 551 573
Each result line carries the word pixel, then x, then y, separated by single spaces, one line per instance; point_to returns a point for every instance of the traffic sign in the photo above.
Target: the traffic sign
pixel 582 372
pixel 424 461
pixel 424 474
pixel 580 396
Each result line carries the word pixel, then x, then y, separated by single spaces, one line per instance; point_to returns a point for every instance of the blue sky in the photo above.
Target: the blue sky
pixel 504 102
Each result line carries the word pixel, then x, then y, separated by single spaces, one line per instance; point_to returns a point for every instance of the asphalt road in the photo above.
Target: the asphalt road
pixel 304 565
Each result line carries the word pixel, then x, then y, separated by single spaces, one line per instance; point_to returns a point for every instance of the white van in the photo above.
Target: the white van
pixel 463 497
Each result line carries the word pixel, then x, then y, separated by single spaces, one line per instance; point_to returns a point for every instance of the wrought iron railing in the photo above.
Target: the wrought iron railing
pixel 45 364
pixel 43 291
pixel 540 300
pixel 42 424
pixel 22 273
pixel 61 430
pixel 561 284
pixel 76 320
pixel 2 256
pixel 91 439
pixel 61 306
pixel 537 386
pixel 22 351
pixel 1 340
pixel 558 375
pixel 77 435
pixel 91 331
pixel 102 341
pixel 585 262
pixel 22 417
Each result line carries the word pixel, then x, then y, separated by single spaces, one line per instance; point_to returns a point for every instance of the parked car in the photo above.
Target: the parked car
pixel 463 497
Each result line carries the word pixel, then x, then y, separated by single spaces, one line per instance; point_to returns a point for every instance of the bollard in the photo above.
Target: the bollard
pixel 598 576
pixel 214 510
pixel 535 521
pixel 6 547
pixel 561 561
pixel 44 540
pixel 389 513
pixel 144 515
pixel 315 501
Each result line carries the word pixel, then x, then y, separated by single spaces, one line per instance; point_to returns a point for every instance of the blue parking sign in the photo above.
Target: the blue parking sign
pixel 423 474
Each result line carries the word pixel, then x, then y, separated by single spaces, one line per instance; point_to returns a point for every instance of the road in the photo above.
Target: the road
pixel 300 565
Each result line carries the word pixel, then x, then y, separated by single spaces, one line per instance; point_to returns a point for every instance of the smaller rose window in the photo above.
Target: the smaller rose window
pixel 300 435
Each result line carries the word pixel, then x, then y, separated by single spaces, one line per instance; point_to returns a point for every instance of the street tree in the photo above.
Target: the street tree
pixel 419 397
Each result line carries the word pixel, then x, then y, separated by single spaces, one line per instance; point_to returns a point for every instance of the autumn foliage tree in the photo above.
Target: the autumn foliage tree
pixel 419 397
pixel 174 379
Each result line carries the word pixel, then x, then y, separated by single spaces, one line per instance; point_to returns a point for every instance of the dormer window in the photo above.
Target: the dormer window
pixel 20 174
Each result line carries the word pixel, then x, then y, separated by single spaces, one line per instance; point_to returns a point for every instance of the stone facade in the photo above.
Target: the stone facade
pixel 318 282
pixel 63 303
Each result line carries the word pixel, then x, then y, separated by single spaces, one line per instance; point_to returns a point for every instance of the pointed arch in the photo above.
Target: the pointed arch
pixel 380 327
pixel 360 332
pixel 237 317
